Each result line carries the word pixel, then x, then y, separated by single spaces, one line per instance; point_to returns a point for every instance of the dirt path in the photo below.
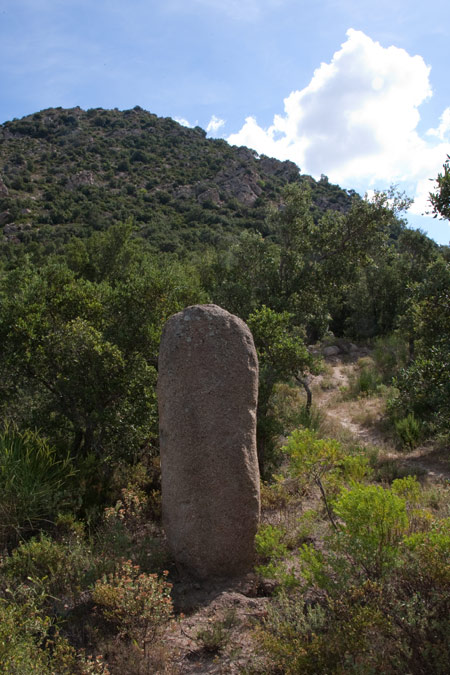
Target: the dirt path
pixel 362 420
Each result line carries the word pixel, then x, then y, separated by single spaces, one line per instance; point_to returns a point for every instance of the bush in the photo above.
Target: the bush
pixel 366 381
pixel 32 643
pixel 305 639
pixel 287 404
pixel 390 354
pixel 409 431
pixel 59 570
pixel 309 418
pixel 314 459
pixel 384 599
pixel 33 481
pixel 214 638
pixel 126 531
pixel 373 522
pixel 136 602
pixel 272 550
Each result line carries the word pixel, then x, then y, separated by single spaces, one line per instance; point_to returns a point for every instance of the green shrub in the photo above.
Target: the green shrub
pixel 287 404
pixel 373 522
pixel 33 481
pixel 408 488
pixel 273 552
pixel 310 455
pixel 384 604
pixel 355 467
pixel 409 431
pixel 314 459
pixel 59 570
pixel 390 354
pixel 32 643
pixel 331 637
pixel 388 470
pixel 138 603
pixel 214 638
pixel 309 418
pixel 368 381
pixel 124 532
pixel 269 542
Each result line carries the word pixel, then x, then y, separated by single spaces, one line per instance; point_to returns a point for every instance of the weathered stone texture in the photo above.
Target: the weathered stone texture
pixel 207 393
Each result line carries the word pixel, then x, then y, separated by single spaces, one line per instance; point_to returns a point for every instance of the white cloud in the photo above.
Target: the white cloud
pixel 443 130
pixel 356 121
pixel 214 124
pixel 183 122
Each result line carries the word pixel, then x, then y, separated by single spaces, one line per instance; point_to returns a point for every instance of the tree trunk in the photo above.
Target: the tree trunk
pixel 304 382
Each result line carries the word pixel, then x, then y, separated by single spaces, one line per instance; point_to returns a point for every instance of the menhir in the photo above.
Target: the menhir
pixel 207 393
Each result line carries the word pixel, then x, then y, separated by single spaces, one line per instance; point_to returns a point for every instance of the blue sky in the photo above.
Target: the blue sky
pixel 352 89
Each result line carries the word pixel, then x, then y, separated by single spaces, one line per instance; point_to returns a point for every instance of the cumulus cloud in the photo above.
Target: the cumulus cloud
pixel 443 130
pixel 183 122
pixel 214 124
pixel 357 119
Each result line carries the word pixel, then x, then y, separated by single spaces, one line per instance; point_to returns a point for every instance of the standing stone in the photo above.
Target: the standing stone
pixel 207 393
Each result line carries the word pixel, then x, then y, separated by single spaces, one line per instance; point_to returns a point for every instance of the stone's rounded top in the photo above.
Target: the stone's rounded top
pixel 204 312
pixel 206 324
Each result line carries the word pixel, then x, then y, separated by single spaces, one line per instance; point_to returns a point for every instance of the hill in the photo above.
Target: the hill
pixel 69 172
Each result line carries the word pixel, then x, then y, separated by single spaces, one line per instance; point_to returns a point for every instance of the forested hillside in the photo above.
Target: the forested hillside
pixel 72 172
pixel 112 221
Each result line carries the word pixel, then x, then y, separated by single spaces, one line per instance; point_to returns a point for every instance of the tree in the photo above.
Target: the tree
pixel 377 297
pixel 424 385
pixel 244 277
pixel 440 200
pixel 79 354
pixel 319 260
pixel 282 355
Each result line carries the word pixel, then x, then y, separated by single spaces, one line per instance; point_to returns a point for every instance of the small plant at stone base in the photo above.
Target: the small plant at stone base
pixel 277 494
pixel 137 603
